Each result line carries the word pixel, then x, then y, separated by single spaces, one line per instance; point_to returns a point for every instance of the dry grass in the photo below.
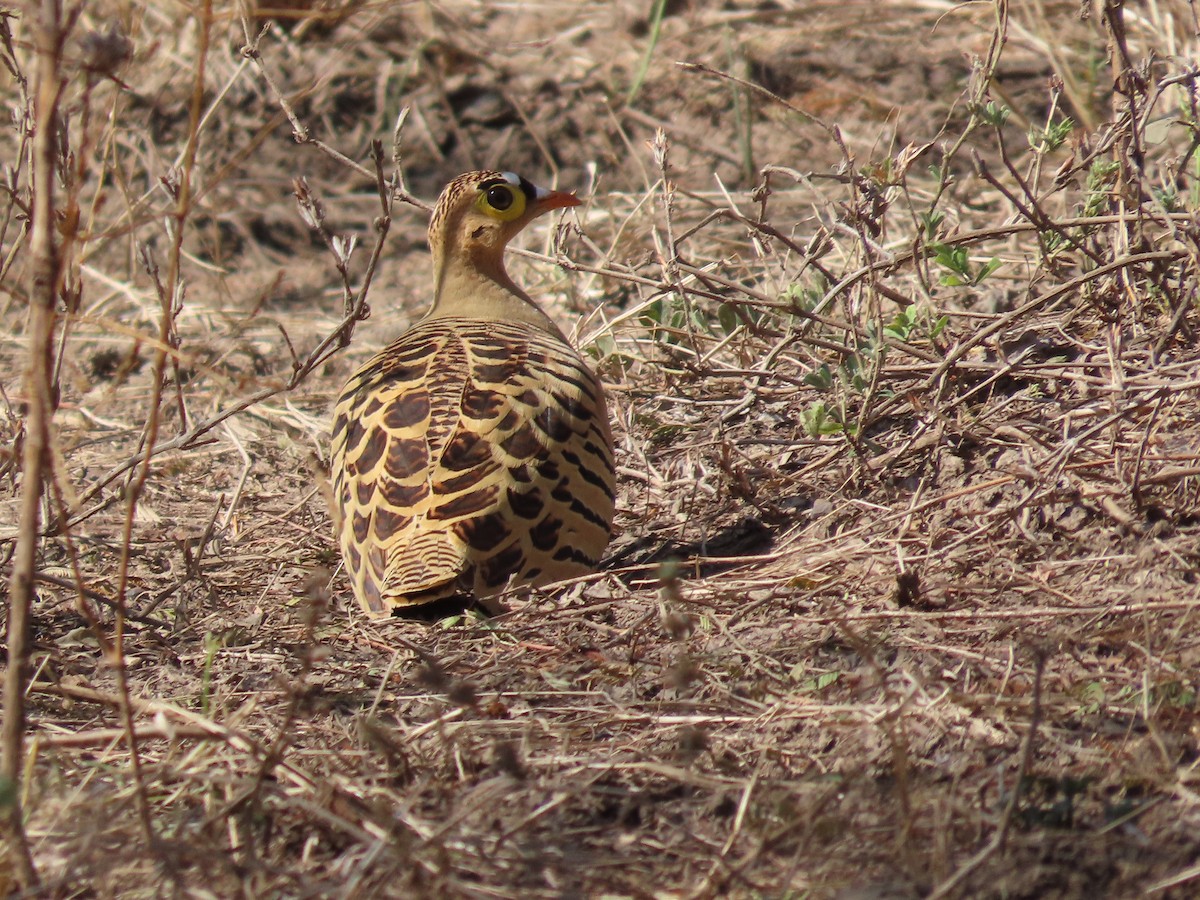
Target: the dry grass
pixel 900 324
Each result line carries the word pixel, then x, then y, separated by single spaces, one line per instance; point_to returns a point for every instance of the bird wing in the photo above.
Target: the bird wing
pixel 467 453
pixel 387 424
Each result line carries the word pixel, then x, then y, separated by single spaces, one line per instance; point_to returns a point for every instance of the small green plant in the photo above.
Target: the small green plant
pixel 855 374
pixel 212 643
pixel 604 349
pixel 472 617
pixel 670 317
pixel 854 371
pixel 930 222
pixel 993 113
pixel 657 9
pixel 728 318
pixel 806 298
pixel 1101 176
pixel 881 174
pixel 731 316
pixel 1051 137
pixel 960 271
pixel 1167 196
pixel 822 681
pixel 910 321
pixel 821 378
pixel 822 420
pixel 850 373
pixel 1170 694
pixel 1053 242
pixel 1092 697
pixel 812 683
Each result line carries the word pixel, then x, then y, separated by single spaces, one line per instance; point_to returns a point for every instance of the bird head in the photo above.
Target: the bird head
pixel 480 212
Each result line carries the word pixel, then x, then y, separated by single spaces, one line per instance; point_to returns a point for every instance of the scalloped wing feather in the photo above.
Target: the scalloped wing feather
pixel 468 455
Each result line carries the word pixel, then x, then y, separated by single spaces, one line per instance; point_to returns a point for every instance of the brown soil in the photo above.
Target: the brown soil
pixel 898 602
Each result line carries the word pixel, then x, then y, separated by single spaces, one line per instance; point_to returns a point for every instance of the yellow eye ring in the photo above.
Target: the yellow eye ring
pixel 502 201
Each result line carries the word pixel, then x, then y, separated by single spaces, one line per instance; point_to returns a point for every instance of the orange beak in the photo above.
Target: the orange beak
pixel 548 200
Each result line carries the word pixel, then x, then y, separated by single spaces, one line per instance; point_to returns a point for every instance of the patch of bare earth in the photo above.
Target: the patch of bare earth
pixel 897 307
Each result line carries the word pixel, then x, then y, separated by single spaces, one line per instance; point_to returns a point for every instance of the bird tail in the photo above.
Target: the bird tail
pixel 426 569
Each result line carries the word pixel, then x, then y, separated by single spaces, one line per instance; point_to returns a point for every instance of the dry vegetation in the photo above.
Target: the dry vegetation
pixel 898 303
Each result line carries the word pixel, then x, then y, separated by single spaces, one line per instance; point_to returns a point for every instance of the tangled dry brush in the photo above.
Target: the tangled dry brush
pixel 897 306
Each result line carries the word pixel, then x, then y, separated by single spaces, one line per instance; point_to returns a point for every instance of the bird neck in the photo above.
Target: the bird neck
pixel 476 286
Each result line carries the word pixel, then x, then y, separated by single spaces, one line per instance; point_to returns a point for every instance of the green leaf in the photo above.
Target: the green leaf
pixel 994 114
pixel 728 318
pixel 901 327
pixel 821 379
pixel 818 420
pixel 930 222
pixel 988 268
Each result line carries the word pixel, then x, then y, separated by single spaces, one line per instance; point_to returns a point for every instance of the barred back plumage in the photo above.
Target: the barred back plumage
pixel 475 451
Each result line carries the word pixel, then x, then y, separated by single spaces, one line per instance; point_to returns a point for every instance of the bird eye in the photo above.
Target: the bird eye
pixel 500 198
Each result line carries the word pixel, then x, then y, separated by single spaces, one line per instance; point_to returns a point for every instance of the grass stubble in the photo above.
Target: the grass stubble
pixel 903 362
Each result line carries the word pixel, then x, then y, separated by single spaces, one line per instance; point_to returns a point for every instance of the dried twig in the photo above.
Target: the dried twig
pixel 46 276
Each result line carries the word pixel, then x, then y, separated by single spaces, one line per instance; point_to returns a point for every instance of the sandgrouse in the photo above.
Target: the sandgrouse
pixel 474 452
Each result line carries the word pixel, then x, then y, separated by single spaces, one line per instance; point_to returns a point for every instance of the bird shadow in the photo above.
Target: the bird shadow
pixel 702 558
pixel 640 561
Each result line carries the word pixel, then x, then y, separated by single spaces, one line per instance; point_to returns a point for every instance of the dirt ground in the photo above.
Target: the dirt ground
pixel 897 306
